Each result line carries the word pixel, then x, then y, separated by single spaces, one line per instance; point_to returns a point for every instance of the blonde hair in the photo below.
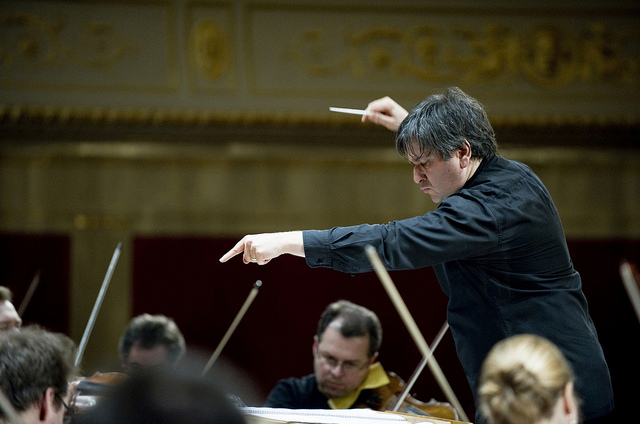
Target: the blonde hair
pixel 522 379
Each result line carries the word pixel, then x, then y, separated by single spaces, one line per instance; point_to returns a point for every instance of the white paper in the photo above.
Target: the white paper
pixel 325 416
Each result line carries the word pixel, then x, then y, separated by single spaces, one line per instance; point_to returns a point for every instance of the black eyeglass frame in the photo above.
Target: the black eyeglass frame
pixel 69 411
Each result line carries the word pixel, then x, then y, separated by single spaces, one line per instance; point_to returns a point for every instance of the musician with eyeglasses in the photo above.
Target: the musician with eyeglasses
pixel 345 349
pixel 35 368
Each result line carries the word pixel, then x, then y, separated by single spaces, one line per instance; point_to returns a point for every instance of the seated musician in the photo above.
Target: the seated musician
pixel 345 349
pixel 9 318
pixel 35 368
pixel 150 341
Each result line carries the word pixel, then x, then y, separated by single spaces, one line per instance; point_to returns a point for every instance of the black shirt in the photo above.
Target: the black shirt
pixel 499 252
pixel 303 393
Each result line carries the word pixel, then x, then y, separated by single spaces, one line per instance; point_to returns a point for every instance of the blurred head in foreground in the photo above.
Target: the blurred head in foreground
pixel 163 397
pixel 525 379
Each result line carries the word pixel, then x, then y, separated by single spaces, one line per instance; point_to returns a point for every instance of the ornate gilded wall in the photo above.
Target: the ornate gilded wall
pixel 211 117
pixel 197 61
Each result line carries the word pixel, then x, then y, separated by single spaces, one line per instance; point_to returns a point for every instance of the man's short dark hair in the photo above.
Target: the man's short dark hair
pixel 149 331
pixel 31 361
pixel 169 396
pixel 356 321
pixel 442 122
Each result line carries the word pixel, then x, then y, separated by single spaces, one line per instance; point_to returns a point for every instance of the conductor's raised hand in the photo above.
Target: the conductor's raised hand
pixel 385 112
pixel 261 248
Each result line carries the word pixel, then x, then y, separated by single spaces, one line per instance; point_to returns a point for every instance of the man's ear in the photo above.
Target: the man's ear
pixel 373 358
pixel 314 347
pixel 47 404
pixel 465 154
pixel 570 406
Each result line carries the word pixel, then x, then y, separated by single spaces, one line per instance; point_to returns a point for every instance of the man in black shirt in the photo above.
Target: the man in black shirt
pixel 495 242
pixel 345 349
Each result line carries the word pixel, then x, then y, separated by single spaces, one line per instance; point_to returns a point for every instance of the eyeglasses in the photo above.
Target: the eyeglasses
pixel 69 412
pixel 347 366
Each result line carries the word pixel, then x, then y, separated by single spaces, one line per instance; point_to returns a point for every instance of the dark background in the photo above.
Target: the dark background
pixel 182 278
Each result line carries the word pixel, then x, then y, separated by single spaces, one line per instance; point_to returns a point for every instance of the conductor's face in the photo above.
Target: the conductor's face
pixel 340 363
pixel 440 178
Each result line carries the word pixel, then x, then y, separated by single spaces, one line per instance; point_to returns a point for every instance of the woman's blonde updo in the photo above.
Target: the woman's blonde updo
pixel 522 379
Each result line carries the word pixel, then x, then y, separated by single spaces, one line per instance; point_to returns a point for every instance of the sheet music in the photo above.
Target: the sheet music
pixel 326 416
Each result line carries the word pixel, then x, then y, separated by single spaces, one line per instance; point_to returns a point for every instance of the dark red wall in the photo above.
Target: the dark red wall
pixel 22 256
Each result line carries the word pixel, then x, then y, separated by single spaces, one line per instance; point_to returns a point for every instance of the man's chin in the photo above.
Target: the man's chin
pixel 331 393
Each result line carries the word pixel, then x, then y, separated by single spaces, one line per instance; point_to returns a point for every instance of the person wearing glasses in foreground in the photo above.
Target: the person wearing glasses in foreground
pixel 345 349
pixel 35 368
pixel 495 242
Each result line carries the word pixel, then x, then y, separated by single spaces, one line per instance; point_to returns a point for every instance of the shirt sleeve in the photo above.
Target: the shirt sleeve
pixel 460 228
pixel 282 396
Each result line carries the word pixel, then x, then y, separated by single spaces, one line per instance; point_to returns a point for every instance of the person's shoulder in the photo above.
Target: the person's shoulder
pixel 299 382
pixel 504 165
pixel 494 176
pixel 293 393
pixel 497 173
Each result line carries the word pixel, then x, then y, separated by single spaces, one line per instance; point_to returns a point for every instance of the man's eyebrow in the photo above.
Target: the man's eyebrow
pixel 419 159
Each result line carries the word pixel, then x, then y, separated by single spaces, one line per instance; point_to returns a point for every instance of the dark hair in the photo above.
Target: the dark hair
pixel 442 122
pixel 356 321
pixel 33 360
pixel 169 396
pixel 150 331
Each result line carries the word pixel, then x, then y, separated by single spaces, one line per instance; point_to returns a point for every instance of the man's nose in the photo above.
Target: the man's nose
pixel 337 370
pixel 418 174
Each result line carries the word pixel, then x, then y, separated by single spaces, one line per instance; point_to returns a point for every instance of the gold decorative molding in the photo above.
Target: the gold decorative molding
pixel 210 49
pixel 102 116
pixel 501 45
pixel 289 60
pixel 88 46
pixel 109 116
pixel 36 43
pixel 211 66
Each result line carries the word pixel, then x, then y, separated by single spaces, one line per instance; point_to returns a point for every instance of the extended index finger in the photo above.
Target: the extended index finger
pixel 237 249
